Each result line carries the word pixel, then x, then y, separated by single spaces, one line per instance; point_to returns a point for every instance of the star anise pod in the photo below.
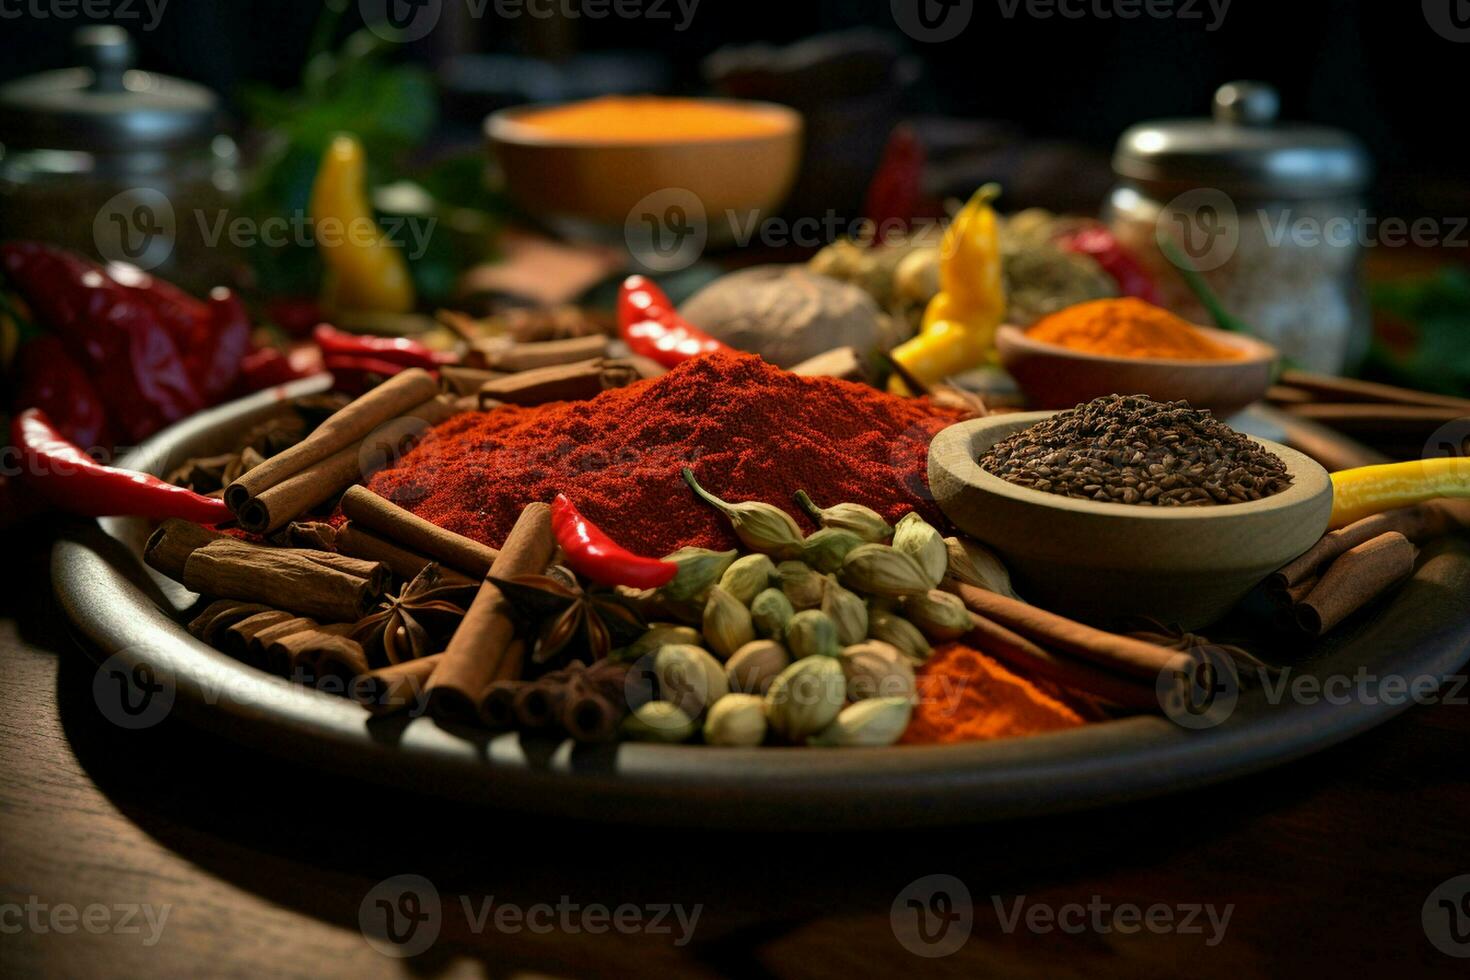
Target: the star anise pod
pixel 1173 637
pixel 425 611
pixel 563 612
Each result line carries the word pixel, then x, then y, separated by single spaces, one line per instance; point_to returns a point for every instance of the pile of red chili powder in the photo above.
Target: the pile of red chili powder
pixel 749 430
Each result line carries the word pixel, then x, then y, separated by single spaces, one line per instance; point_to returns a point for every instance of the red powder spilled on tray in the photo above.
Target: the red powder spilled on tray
pixel 749 430
pixel 965 696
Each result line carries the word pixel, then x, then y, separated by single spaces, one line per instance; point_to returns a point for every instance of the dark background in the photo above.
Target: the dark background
pixel 1374 68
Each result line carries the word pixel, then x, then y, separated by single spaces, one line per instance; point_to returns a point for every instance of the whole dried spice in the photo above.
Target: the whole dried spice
pixel 415 622
pixel 1129 449
pixel 597 621
pixel 586 702
pixel 749 430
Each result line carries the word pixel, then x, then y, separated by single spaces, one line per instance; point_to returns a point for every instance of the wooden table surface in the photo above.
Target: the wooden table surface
pixel 261 868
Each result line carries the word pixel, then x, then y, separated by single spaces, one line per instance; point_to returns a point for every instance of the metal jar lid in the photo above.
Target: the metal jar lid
pixel 1244 149
pixel 106 106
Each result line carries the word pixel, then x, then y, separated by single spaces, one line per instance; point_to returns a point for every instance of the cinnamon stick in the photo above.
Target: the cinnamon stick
pixel 1355 579
pixel 171 544
pixel 396 688
pixel 236 638
pixel 1063 635
pixel 395 524
pixel 481 651
pixel 326 478
pixel 463 380
pixel 578 381
pixel 1418 523
pixel 220 615
pixel 329 587
pixel 501 354
pixel 595 703
pixel 1328 388
pixel 344 428
pixel 1027 657
pixel 362 544
pixel 497 704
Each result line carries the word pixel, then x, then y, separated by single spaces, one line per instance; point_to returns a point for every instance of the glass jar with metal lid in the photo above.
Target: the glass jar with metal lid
pixel 120 164
pixel 1270 213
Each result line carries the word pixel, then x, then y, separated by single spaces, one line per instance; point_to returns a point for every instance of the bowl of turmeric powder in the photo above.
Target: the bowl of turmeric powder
pixel 594 167
pixel 1092 349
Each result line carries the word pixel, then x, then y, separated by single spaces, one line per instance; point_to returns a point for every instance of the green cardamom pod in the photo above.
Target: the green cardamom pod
pixel 825 549
pixel 752 668
pixel 877 569
pixel 737 719
pixel 917 538
pixel 727 623
pixel 848 610
pixel 811 633
pixel 974 564
pixel 802 584
pixel 939 615
pixel 760 526
pixel 748 577
pixel 658 635
pixel 699 568
pixel 873 723
pixel 877 670
pixel 771 611
pixel 893 629
pixel 805 697
pixel 689 678
pixel 865 522
pixel 658 721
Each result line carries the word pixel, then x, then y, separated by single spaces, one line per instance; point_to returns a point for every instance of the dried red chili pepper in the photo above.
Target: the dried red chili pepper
pixel 1103 247
pixel 266 367
pixel 132 358
pixel 51 380
pixel 651 328
pixel 893 197
pixel 59 473
pixel 594 555
pixel 404 351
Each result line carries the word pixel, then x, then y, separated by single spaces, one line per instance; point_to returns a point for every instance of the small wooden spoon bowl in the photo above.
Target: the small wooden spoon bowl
pixel 1052 376
pixel 1102 561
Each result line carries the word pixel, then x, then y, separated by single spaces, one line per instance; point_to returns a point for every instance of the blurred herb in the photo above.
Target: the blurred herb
pixel 1422 332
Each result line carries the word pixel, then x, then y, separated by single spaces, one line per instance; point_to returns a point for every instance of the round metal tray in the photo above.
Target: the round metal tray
pixel 129 616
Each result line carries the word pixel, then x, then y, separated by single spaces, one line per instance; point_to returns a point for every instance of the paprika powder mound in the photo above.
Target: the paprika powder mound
pixel 749 430
pixel 966 696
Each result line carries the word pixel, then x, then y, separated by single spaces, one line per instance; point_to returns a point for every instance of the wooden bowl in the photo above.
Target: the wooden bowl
pixel 1052 376
pixel 1101 561
pixel 592 185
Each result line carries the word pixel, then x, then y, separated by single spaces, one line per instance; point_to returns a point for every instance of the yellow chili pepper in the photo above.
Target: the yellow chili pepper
pixel 958 332
pixel 1367 490
pixel 364 271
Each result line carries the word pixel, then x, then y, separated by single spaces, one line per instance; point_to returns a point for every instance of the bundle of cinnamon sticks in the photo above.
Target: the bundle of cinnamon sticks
pixel 1397 421
pixel 1350 567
